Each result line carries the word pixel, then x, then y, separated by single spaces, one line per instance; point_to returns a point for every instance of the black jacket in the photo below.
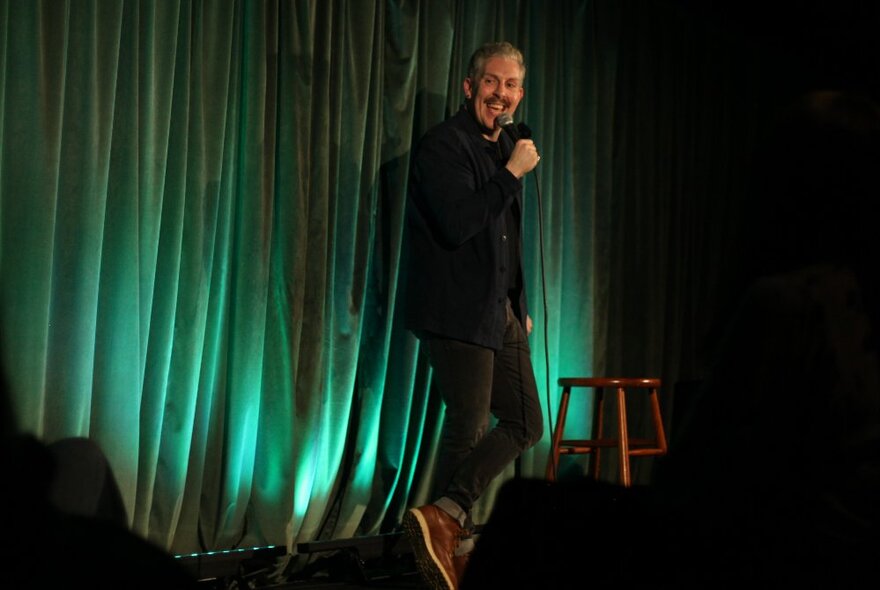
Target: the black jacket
pixel 461 263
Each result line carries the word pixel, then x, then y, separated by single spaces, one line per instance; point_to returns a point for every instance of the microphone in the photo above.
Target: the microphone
pixel 505 121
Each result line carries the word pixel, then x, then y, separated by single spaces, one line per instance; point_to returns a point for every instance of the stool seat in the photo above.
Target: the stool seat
pixel 627 446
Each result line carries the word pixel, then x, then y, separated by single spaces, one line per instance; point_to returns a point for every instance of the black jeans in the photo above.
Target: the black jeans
pixel 475 381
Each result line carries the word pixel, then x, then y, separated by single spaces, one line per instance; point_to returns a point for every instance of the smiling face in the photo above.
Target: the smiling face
pixel 498 89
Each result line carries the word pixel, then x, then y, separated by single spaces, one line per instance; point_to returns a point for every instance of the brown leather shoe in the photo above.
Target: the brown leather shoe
pixel 433 536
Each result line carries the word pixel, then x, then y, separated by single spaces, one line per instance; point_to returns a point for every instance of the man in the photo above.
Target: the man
pixel 466 303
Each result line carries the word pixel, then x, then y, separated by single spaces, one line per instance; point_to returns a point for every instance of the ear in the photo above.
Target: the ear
pixel 468 87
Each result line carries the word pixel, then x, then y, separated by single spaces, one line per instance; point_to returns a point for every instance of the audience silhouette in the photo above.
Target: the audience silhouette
pixel 62 519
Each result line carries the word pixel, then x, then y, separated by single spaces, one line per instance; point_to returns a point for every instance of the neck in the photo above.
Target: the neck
pixel 492 136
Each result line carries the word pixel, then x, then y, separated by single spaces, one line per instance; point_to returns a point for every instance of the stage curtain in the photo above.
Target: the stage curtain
pixel 202 236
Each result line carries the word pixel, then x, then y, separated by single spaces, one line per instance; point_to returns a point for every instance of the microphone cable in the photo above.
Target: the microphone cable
pixel 517 132
pixel 544 299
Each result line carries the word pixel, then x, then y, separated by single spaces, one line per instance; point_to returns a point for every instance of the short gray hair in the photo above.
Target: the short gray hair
pixel 494 49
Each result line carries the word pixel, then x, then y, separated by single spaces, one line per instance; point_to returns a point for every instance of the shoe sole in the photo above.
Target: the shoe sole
pixel 420 540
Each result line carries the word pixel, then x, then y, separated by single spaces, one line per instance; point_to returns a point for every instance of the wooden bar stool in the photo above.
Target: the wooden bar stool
pixel 627 447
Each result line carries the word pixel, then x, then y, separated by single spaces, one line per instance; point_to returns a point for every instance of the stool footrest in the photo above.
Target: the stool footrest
pixel 606 443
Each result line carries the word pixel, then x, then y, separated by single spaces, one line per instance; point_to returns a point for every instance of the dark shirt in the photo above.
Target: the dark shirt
pixel 464 240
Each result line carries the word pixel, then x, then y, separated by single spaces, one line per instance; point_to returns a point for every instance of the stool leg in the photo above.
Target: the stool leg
pixel 623 434
pixel 658 421
pixel 553 459
pixel 599 412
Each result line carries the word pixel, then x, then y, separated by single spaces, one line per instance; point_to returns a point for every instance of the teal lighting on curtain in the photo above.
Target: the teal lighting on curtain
pixel 202 230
